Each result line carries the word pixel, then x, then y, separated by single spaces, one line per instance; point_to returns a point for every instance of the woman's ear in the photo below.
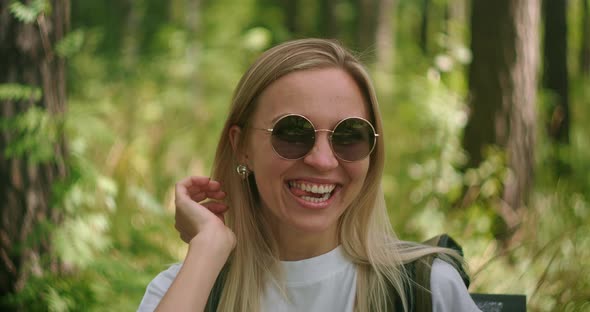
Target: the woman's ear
pixel 235 135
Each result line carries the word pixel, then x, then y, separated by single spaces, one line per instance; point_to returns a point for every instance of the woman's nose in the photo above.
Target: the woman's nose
pixel 321 155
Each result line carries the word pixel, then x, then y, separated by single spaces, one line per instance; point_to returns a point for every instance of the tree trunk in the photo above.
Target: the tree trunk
pixel 585 40
pixel 385 36
pixel 291 10
pixel 456 15
pixel 328 24
pixel 367 25
pixel 27 58
pixel 131 34
pixel 502 87
pixel 555 74
pixel 424 25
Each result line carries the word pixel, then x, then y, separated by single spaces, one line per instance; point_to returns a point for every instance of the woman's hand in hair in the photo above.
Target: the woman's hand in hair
pixel 200 223
pixel 196 215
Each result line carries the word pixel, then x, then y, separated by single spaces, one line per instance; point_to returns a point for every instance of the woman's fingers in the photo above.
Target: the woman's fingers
pixel 202 189
pixel 215 207
pixel 199 189
pixel 219 195
pixel 192 213
pixel 202 195
pixel 203 184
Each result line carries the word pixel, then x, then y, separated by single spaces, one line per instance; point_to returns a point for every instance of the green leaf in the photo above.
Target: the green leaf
pixel 70 44
pixel 78 240
pixel 57 302
pixel 34 133
pixel 28 14
pixel 17 92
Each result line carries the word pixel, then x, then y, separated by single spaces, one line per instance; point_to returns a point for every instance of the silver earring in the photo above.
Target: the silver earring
pixel 243 171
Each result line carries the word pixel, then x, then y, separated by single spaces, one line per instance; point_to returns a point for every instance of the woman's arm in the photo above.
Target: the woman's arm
pixel 204 260
pixel 210 244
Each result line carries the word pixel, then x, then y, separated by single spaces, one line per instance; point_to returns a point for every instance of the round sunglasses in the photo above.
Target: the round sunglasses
pixel 293 137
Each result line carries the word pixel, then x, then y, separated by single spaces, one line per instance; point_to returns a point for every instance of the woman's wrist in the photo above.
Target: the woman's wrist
pixel 216 243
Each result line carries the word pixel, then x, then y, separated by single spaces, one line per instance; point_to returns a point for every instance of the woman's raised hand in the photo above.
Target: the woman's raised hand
pixel 200 224
pixel 193 216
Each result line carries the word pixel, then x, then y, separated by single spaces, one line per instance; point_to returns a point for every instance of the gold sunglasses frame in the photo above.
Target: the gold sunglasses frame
pixel 331 132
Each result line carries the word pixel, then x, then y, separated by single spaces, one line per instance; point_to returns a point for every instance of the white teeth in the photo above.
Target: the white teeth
pixel 316 199
pixel 324 189
pixel 314 188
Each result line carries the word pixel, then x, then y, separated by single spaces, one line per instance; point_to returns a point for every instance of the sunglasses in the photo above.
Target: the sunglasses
pixel 293 137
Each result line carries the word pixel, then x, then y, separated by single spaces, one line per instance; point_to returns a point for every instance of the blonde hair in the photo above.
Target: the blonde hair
pixel 365 231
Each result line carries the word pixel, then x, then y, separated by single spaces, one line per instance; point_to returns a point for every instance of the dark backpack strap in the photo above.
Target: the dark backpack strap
pixel 421 286
pixel 446 241
pixel 215 295
pixel 419 296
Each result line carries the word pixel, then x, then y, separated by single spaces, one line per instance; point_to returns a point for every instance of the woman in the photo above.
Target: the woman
pixel 294 216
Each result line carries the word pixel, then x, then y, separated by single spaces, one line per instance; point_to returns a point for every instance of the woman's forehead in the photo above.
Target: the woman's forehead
pixel 328 93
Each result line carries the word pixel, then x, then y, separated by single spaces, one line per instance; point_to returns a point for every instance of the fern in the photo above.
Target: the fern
pixel 17 92
pixel 78 240
pixel 28 14
pixel 70 44
pixel 34 133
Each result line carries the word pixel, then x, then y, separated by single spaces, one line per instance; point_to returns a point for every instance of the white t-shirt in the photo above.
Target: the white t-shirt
pixel 328 283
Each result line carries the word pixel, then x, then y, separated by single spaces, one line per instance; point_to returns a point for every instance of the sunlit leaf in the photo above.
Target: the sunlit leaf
pixel 70 44
pixel 16 92
pixel 28 14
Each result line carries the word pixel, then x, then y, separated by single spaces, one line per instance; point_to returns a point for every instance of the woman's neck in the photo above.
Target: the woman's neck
pixel 297 245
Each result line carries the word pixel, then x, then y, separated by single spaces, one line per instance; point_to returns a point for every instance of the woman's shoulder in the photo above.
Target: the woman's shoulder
pixel 157 288
pixel 449 292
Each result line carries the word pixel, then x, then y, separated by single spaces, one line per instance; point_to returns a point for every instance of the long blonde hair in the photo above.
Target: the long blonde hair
pixel 364 229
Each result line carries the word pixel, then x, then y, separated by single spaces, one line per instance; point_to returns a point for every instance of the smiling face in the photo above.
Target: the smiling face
pixel 307 196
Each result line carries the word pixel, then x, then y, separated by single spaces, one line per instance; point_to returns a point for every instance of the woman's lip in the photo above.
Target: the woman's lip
pixel 314 180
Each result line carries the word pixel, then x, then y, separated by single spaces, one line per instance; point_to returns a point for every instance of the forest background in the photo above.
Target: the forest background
pixel 105 104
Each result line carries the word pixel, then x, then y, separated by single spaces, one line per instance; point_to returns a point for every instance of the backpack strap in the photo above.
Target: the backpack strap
pixel 421 284
pixel 420 271
pixel 215 294
pixel 446 241
pixel 419 296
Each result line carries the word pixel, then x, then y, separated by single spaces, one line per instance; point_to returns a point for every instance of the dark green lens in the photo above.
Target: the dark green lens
pixel 353 139
pixel 293 137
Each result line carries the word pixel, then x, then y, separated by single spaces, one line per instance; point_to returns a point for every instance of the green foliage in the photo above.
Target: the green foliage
pixel 34 135
pixel 70 44
pixel 28 14
pixel 56 293
pixel 78 240
pixel 146 106
pixel 18 92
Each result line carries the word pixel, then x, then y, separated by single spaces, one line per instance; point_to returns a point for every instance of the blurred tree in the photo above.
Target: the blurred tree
pixel 291 9
pixel 192 22
pixel 108 18
pixel 385 37
pixel 555 73
pixel 502 92
pixel 424 25
pixel 585 40
pixel 31 137
pixel 131 33
pixel 367 24
pixel 328 23
pixel 455 16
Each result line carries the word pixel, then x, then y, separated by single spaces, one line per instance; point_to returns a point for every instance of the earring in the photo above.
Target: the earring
pixel 243 171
